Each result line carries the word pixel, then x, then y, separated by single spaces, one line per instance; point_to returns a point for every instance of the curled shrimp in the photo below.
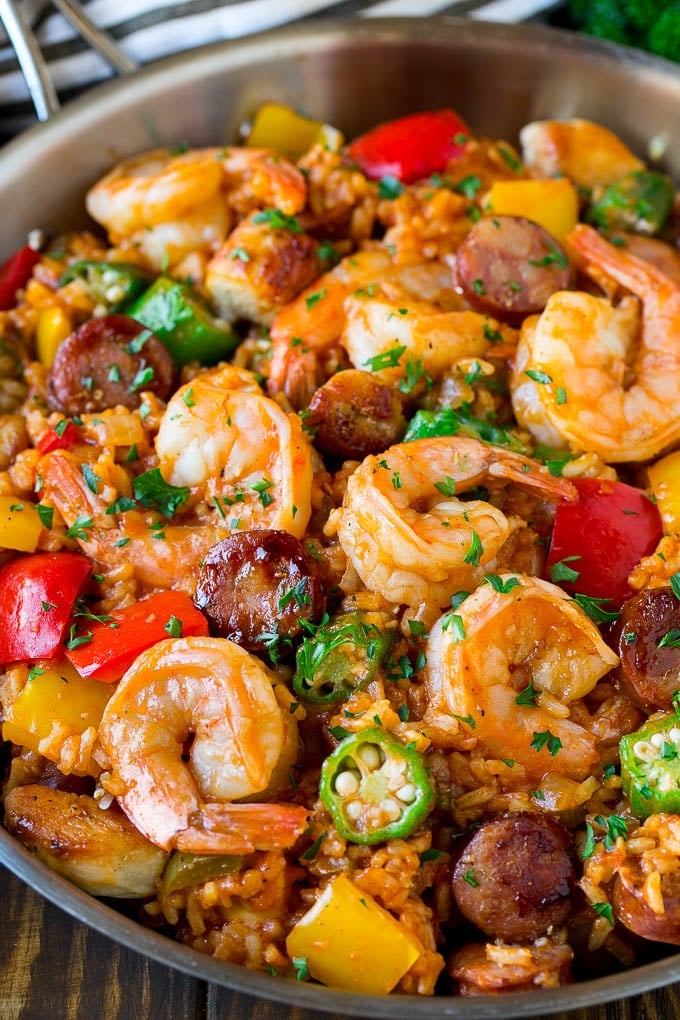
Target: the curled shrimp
pixel 168 204
pixel 500 644
pixel 213 691
pixel 407 533
pixel 417 333
pixel 588 154
pixel 314 322
pixel 590 374
pixel 231 446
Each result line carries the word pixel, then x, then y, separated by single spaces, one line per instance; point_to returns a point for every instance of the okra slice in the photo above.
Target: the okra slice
pixel 650 766
pixel 375 787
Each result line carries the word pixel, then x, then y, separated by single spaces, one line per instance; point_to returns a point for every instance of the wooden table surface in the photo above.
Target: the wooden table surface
pixel 54 968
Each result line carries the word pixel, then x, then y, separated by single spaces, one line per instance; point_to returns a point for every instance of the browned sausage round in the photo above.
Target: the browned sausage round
pixel 514 878
pixel 255 586
pixel 649 674
pixel 632 910
pixel 354 414
pixel 106 362
pixel 508 267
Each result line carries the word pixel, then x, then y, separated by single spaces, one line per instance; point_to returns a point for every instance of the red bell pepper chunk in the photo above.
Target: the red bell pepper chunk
pixel 116 642
pixel 38 593
pixel 602 536
pixel 412 147
pixel 15 274
pixel 59 438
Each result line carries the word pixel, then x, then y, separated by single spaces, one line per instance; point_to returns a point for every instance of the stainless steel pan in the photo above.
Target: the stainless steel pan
pixel 352 74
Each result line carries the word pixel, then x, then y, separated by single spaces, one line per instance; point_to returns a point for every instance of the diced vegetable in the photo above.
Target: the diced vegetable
pixel 664 478
pixel 650 767
pixel 63 436
pixel 640 202
pixel 279 127
pixel 349 941
pixel 15 274
pixel 375 787
pixel 601 537
pixel 341 657
pixel 411 147
pixel 54 325
pixel 54 693
pixel 114 643
pixel 20 525
pixel 553 203
pixel 113 284
pixel 184 869
pixel 184 325
pixel 38 594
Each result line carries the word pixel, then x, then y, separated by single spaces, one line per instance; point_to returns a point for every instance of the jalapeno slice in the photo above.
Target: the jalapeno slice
pixel 112 284
pixel 375 787
pixel 342 657
pixel 184 869
pixel 640 202
pixel 180 320
pixel 650 767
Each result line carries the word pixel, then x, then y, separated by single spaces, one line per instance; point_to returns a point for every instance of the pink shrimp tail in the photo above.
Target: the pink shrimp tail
pixel 243 828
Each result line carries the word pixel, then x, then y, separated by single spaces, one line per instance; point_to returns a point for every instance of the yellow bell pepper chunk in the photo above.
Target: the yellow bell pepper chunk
pixel 54 694
pixel 349 941
pixel 54 325
pixel 20 525
pixel 281 128
pixel 553 203
pixel 664 478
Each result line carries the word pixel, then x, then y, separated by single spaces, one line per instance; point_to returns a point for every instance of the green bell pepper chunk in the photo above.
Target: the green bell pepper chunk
pixel 178 318
pixel 447 422
pixel 342 656
pixel 650 767
pixel 113 284
pixel 184 870
pixel 375 787
pixel 639 202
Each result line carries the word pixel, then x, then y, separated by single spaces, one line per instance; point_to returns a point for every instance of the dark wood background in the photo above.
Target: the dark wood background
pixel 54 968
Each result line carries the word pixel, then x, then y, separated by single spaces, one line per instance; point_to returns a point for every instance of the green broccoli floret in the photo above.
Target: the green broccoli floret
pixel 578 12
pixel 664 37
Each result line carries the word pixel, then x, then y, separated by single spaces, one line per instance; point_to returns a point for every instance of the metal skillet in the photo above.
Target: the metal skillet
pixel 353 74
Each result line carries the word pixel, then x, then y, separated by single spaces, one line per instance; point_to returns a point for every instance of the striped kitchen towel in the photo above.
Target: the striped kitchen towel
pixel 149 29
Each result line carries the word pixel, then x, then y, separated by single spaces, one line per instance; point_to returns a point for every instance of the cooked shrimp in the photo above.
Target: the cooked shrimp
pixel 418 334
pixel 222 437
pixel 168 205
pixel 590 374
pixel 409 536
pixel 500 644
pixel 228 443
pixel 313 323
pixel 213 693
pixel 254 178
pixel 589 154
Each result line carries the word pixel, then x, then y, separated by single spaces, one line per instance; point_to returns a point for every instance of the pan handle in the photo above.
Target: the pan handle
pixel 32 63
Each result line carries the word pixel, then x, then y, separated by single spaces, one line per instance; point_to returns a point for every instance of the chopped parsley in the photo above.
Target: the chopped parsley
pixel 278 220
pixel 548 740
pixel 151 490
pixel 388 359
pixel 561 572
pixel 174 627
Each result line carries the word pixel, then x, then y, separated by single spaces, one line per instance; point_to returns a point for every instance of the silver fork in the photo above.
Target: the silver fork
pixel 33 65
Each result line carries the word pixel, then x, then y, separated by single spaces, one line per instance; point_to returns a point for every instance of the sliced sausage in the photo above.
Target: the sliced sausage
pixel 256 586
pixel 632 909
pixel 649 674
pixel 514 878
pixel 354 414
pixel 106 362
pixel 508 267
